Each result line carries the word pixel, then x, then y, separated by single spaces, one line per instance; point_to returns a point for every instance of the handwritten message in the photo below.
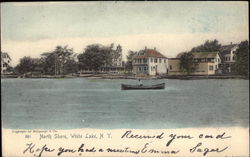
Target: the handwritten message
pixel 94 142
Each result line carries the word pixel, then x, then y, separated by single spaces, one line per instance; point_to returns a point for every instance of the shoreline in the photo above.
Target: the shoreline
pixel 117 76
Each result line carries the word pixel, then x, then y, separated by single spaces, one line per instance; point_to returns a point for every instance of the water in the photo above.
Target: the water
pixel 97 103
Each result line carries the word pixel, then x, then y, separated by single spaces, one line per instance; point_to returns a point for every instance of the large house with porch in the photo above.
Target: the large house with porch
pixel 207 63
pixel 116 62
pixel 149 62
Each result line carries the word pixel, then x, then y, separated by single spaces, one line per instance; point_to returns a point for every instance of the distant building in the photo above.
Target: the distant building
pixel 5 62
pixel 174 66
pixel 228 57
pixel 207 64
pixel 149 62
pixel 116 62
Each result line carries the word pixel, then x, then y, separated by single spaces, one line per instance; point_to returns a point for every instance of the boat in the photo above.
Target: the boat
pixel 142 87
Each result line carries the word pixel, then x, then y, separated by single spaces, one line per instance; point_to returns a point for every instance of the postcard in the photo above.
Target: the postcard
pixel 122 79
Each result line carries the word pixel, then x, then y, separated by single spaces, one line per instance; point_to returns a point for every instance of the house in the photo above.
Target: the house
pixel 207 63
pixel 116 65
pixel 228 57
pixel 149 62
pixel 5 63
pixel 174 66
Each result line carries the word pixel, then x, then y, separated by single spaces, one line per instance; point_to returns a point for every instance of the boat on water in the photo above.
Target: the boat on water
pixel 142 87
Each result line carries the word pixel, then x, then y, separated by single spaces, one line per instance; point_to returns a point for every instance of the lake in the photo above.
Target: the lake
pixel 100 103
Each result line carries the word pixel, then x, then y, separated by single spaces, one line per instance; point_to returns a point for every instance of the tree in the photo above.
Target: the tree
pixel 242 58
pixel 28 64
pixel 48 63
pixel 55 62
pixel 116 55
pixel 187 63
pixel 208 46
pixel 128 65
pixel 71 66
pixel 95 56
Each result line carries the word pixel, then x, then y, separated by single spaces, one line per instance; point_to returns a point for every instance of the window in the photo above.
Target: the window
pixel 155 60
pixel 152 68
pixel 151 60
pixel 145 68
pixel 164 60
pixel 234 58
pixel 211 68
pixel 145 60
pixel 160 60
pixel 170 67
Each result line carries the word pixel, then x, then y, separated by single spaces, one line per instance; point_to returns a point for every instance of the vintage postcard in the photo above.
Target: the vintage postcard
pixel 121 79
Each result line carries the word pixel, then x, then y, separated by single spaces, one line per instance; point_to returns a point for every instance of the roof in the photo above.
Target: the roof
pixel 5 55
pixel 227 48
pixel 149 53
pixel 199 55
pixel 204 54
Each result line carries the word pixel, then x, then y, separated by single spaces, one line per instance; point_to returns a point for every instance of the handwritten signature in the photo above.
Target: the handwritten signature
pixel 38 151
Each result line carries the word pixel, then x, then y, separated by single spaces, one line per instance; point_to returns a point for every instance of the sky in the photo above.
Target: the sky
pixel 31 28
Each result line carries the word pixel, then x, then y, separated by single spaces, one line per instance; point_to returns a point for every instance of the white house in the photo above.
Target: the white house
pixel 149 62
pixel 228 56
pixel 5 62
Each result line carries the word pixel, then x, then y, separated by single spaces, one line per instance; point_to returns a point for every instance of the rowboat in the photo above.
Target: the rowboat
pixel 142 87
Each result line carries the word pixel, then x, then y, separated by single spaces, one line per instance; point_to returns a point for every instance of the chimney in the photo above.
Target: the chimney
pixel 154 48
pixel 145 47
pixel 231 43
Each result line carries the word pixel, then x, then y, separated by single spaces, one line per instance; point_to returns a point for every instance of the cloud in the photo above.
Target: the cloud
pixel 168 44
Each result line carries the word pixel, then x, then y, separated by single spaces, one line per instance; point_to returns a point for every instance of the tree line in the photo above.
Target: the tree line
pixel 63 60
